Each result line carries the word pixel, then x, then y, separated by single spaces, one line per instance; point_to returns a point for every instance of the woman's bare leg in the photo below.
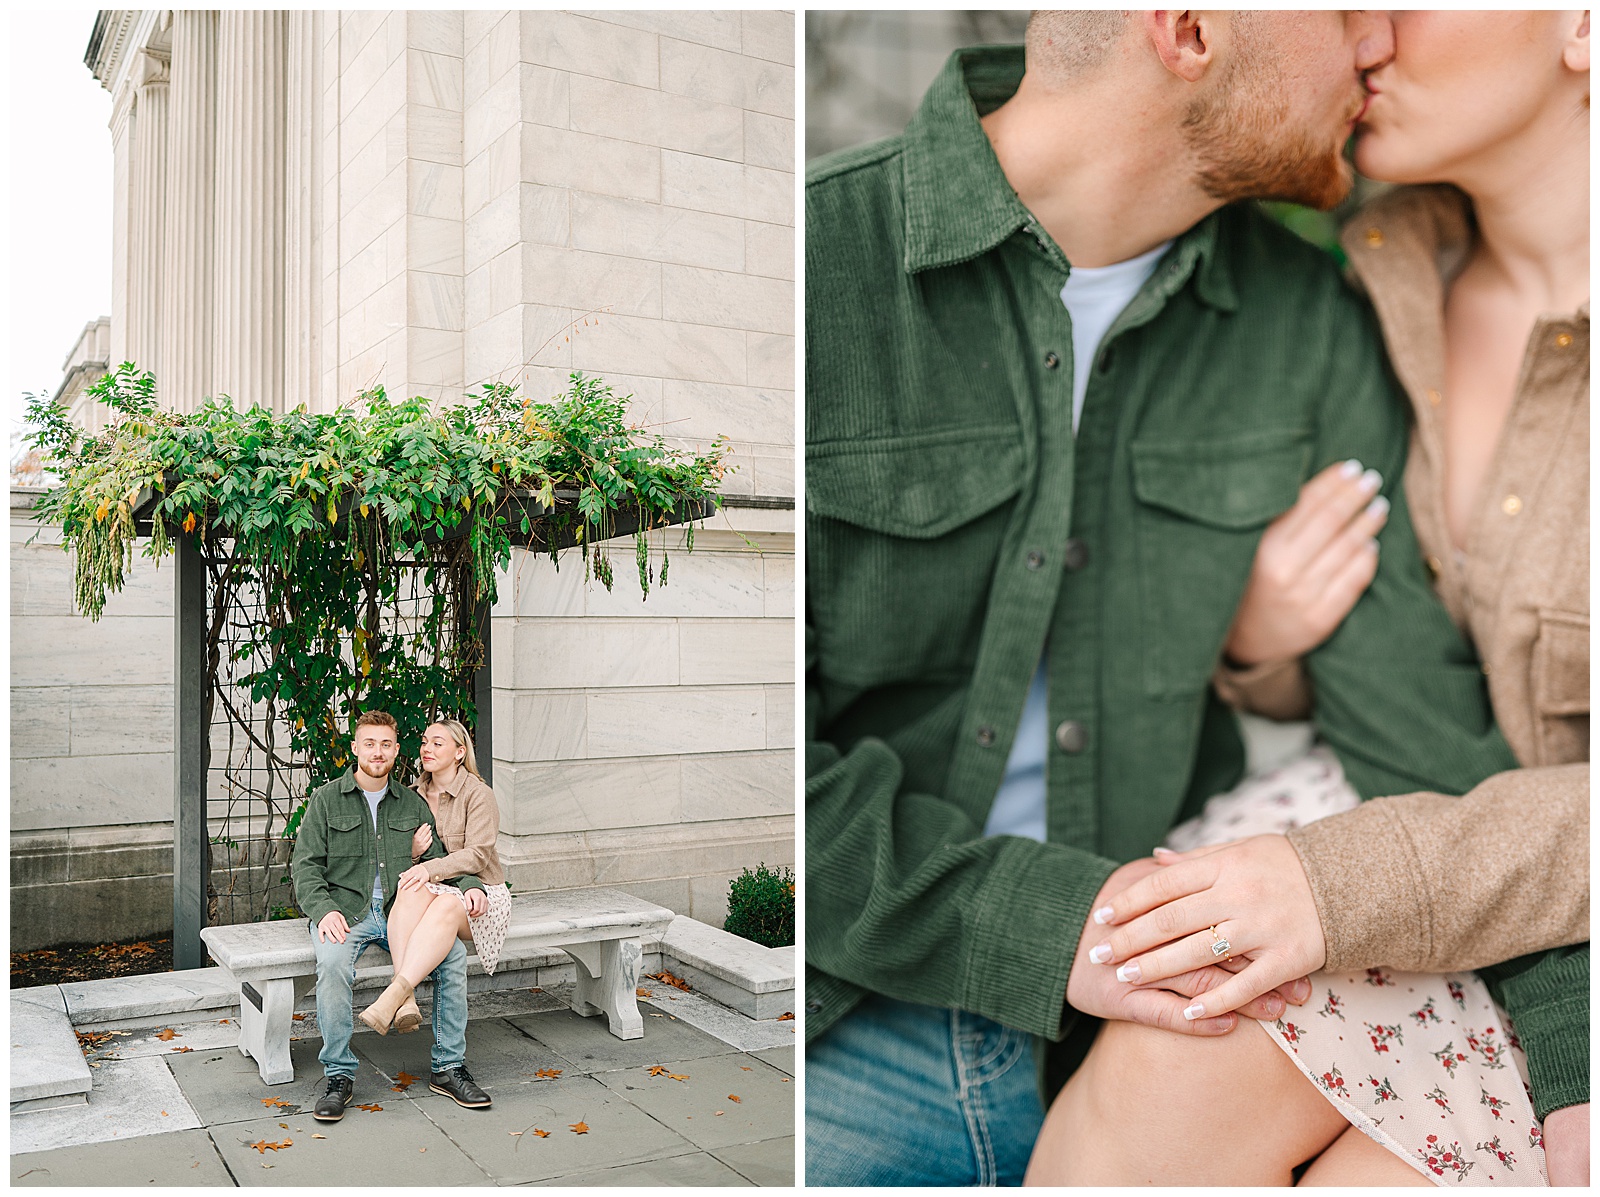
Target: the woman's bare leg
pixel 1356 1159
pixel 444 921
pixel 407 911
pixel 1153 1107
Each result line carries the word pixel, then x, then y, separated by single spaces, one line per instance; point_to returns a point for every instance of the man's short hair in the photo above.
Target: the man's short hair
pixel 1063 43
pixel 378 719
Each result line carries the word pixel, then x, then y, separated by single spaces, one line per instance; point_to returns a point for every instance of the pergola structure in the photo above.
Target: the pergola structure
pixel 193 681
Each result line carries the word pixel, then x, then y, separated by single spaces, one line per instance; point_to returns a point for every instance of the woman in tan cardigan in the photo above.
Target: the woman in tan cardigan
pixel 428 917
pixel 1463 281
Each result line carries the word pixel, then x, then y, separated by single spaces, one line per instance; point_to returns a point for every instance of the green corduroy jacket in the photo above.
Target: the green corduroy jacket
pixel 957 530
pixel 336 854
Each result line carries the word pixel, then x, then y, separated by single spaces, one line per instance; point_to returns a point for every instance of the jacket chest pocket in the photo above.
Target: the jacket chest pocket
pixel 1202 508
pixel 1561 686
pixel 345 835
pixel 404 824
pixel 902 547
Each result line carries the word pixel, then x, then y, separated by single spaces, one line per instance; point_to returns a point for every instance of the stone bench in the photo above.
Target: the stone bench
pixel 599 928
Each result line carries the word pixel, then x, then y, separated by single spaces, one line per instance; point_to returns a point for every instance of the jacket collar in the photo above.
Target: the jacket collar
pixel 959 203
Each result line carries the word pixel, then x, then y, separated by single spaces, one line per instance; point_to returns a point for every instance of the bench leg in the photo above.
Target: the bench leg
pixel 266 1012
pixel 608 979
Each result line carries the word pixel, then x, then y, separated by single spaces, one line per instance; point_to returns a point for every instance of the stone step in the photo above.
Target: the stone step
pixel 131 1001
pixel 47 1065
pixel 756 981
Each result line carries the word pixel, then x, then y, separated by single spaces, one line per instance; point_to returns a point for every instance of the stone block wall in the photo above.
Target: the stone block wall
pixel 91 749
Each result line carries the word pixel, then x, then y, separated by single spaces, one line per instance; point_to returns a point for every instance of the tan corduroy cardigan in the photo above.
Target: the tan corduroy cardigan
pixel 1427 882
pixel 469 820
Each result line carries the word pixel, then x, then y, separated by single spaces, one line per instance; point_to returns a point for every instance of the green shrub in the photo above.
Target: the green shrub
pixel 761 906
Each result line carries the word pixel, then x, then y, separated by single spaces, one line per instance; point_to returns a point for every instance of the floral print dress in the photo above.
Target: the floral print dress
pixel 1425 1064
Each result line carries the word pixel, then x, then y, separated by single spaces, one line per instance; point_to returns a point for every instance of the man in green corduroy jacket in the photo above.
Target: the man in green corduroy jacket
pixel 1056 386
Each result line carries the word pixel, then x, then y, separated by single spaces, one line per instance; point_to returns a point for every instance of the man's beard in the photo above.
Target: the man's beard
pixel 377 769
pixel 1247 150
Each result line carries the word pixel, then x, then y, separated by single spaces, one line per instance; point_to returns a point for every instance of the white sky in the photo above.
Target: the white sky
pixel 58 195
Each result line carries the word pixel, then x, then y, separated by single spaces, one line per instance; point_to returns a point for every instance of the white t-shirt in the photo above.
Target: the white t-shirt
pixel 373 798
pixel 1094 298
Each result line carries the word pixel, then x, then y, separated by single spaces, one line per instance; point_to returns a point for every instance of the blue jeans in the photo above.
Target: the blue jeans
pixel 336 975
pixel 899 1094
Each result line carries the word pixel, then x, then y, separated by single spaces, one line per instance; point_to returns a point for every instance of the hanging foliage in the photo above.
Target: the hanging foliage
pixel 314 520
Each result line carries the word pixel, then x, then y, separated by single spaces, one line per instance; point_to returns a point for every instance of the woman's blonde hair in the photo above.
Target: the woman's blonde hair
pixel 463 738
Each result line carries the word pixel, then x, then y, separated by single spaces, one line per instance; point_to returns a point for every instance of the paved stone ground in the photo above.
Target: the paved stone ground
pixel 165 1116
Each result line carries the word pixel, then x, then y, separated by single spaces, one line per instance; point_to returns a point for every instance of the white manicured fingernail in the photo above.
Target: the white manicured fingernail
pixel 1371 480
pixel 1128 972
pixel 1378 508
pixel 1104 915
pixel 1372 545
pixel 1100 953
pixel 1195 1011
pixel 1163 852
pixel 1350 468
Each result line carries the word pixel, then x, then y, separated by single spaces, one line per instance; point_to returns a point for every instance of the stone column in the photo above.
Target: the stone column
pixel 122 122
pixel 186 315
pixel 303 214
pixel 147 212
pixel 248 335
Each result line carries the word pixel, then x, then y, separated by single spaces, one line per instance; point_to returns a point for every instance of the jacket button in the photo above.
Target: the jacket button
pixel 985 737
pixel 1051 361
pixel 1035 559
pixel 812 1005
pixel 1070 736
pixel 1076 555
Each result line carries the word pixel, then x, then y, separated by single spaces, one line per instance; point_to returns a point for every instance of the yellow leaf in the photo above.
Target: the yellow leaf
pixel 466 502
pixel 580 1128
pixel 364 512
pixel 100 511
pixel 543 1134
pixel 188 522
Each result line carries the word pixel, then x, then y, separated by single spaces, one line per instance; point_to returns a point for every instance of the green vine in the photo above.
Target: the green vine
pixel 316 519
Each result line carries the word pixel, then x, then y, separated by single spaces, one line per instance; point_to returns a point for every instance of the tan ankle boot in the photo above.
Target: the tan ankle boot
pixel 381 1013
pixel 408 1018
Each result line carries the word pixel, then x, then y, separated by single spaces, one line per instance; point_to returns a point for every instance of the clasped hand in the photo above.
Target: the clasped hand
pixel 1157 928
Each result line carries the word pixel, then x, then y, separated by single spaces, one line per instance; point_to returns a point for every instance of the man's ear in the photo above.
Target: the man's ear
pixel 1182 41
pixel 1575 54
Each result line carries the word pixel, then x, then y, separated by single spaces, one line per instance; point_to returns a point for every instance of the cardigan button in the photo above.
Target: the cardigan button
pixel 1076 555
pixel 812 1005
pixel 985 737
pixel 1035 559
pixel 1070 736
pixel 1051 361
